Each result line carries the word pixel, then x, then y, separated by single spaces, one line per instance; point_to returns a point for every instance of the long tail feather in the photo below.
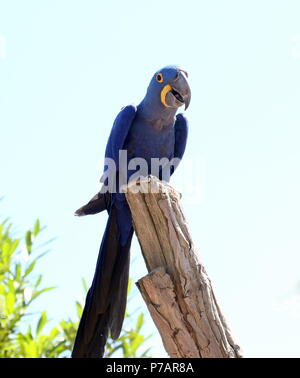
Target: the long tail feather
pixel 105 305
pixel 100 202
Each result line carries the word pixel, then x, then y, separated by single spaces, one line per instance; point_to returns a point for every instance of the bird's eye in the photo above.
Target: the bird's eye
pixel 159 77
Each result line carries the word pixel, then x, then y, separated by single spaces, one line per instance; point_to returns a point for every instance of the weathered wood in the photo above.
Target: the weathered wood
pixel 177 290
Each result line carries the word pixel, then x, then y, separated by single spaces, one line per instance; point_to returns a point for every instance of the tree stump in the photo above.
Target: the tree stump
pixel 177 290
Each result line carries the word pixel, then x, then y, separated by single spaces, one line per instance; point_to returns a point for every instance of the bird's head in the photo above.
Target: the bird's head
pixel 168 89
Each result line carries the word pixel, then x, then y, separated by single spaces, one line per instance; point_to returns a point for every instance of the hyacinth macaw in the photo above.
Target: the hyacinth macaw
pixel 150 130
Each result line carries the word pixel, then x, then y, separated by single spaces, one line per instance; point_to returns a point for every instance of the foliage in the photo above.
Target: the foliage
pixel 20 286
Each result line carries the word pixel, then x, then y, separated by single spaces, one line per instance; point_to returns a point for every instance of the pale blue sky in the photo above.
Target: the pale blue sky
pixel 67 69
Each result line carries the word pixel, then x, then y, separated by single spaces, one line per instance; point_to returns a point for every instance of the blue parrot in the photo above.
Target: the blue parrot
pixel 150 130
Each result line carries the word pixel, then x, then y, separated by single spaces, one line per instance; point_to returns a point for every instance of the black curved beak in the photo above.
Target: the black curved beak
pixel 181 86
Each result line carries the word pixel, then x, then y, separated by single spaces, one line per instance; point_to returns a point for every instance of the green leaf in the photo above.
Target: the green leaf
pixel 84 284
pixel 18 271
pixel 31 350
pixel 79 309
pixel 54 332
pixel 38 281
pixel 11 286
pixel 140 322
pixel 2 306
pixel 30 268
pixel 126 349
pixel 6 252
pixel 57 350
pixel 36 228
pixel 39 292
pixel 41 323
pixel 129 286
pixel 28 240
pixel 137 341
pixel 10 302
pixel 29 333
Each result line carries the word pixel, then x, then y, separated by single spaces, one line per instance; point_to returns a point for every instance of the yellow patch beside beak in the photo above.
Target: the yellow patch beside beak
pixel 167 88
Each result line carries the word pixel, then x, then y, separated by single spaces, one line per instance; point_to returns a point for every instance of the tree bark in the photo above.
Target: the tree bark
pixel 177 290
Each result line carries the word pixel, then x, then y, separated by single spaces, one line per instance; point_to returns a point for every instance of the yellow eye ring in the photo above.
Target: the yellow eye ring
pixel 159 77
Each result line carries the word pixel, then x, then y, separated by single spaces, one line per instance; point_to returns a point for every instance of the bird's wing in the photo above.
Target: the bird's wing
pixel 102 201
pixel 119 133
pixel 181 133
